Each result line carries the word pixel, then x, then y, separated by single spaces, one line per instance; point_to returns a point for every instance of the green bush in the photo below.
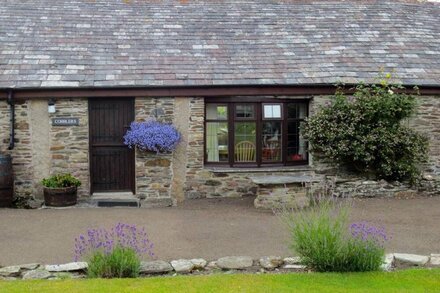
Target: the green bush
pixel 121 262
pixel 325 242
pixel 365 131
pixel 60 181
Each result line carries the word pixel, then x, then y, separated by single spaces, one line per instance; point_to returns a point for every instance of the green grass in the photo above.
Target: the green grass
pixel 422 280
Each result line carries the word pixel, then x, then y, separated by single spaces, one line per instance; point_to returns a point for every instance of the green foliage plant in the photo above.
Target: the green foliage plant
pixel 121 262
pixel 61 181
pixel 366 131
pixel 323 238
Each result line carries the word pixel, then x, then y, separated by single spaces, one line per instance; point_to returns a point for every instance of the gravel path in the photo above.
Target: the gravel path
pixel 204 228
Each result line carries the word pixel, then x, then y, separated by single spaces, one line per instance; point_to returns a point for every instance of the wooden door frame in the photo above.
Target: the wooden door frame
pixel 132 152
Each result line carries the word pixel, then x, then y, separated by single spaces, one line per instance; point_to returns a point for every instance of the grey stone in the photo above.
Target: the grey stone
pixel 182 265
pixel 293 260
pixel 155 267
pixel 388 262
pixel 212 265
pixel 156 202
pixel 294 267
pixel 271 262
pixel 8 278
pixel 29 266
pixel 199 263
pixel 414 259
pixel 37 274
pixel 275 180
pixel 435 259
pixel 68 267
pixel 11 271
pixel 235 262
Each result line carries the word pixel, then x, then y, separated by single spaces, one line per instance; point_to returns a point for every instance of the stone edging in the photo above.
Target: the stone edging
pixel 392 261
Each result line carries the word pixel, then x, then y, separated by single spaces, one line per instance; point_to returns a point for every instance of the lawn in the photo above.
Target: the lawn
pixel 416 280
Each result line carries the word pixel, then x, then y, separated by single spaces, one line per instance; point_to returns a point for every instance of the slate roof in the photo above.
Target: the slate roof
pixel 97 43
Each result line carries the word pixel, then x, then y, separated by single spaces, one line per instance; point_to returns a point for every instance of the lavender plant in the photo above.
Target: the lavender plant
pixel 326 242
pixel 365 247
pixel 115 252
pixel 152 136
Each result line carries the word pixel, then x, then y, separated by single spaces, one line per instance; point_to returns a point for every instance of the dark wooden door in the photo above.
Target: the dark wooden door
pixel 111 162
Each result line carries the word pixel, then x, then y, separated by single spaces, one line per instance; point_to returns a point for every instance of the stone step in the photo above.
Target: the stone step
pixel 114 199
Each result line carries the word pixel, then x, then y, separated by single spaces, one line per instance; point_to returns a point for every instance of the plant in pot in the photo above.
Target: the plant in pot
pixel 152 136
pixel 60 190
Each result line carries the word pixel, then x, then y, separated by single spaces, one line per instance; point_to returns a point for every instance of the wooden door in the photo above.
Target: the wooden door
pixel 111 162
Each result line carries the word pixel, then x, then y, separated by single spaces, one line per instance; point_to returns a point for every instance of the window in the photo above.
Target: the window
pixel 255 134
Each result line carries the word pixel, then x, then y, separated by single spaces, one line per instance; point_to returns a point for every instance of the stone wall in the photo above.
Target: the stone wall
pixel 22 153
pixel 194 187
pixel 164 179
pixel 154 171
pixel 4 126
pixel 211 182
pixel 69 145
pixel 427 121
pixel 40 138
pixel 22 162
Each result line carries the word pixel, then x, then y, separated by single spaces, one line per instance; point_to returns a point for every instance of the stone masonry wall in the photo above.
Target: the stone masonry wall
pixel 194 185
pixel 427 121
pixel 4 126
pixel 208 182
pixel 69 145
pixel 22 153
pixel 154 171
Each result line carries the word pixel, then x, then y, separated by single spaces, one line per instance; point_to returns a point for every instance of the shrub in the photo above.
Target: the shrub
pixel 325 243
pixel 61 181
pixel 113 253
pixel 366 131
pixel 152 136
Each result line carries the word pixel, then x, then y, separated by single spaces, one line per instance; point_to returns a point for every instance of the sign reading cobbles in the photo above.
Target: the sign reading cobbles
pixel 65 121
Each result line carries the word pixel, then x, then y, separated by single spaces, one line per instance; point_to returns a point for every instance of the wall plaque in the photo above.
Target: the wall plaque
pixel 65 121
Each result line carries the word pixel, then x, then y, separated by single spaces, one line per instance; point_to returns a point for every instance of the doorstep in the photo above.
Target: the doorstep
pixel 114 199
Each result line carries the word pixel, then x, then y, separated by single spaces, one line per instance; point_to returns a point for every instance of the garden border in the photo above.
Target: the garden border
pixel 229 264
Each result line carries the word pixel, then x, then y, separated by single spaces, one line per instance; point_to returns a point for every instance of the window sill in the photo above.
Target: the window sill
pixel 259 170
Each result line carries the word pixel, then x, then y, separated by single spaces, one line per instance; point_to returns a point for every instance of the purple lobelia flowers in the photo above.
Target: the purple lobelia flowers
pixel 122 235
pixel 152 136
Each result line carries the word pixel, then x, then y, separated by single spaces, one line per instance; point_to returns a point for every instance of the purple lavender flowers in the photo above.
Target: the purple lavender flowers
pixel 122 235
pixel 368 233
pixel 152 136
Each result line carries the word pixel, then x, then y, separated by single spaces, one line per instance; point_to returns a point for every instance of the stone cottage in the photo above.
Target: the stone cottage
pixel 237 78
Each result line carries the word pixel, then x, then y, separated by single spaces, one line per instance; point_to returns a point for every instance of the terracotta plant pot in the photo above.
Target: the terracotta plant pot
pixel 60 197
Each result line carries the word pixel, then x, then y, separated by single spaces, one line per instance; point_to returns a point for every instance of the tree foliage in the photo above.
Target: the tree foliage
pixel 366 131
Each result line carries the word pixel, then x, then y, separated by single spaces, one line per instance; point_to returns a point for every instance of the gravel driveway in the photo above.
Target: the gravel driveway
pixel 204 228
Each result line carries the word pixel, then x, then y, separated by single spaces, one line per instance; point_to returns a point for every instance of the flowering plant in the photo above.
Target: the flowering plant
pixel 152 136
pixel 325 241
pixel 113 253
pixel 123 235
pixel 368 233
pixel 365 132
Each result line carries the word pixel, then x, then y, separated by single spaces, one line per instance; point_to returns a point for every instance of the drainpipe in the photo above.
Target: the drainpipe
pixel 12 119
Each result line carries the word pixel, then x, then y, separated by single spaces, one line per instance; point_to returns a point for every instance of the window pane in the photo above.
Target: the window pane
pixel 216 112
pixel 271 111
pixel 244 111
pixel 217 141
pixel 296 145
pixel 272 141
pixel 297 111
pixel 244 143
